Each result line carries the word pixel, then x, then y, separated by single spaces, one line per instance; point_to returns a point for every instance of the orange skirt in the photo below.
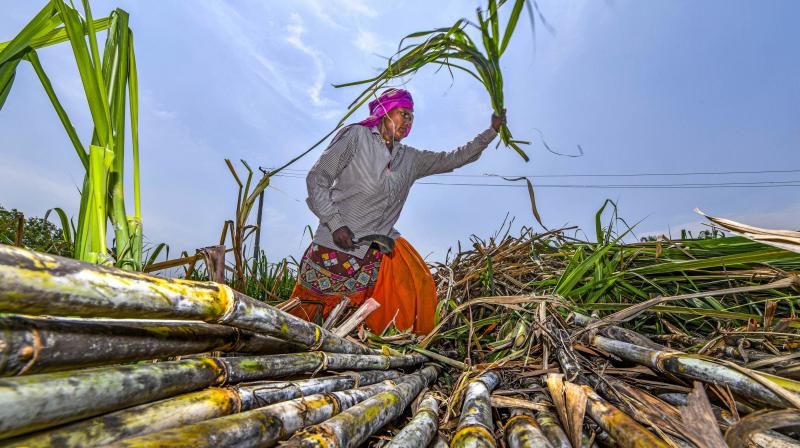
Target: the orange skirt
pixel 405 290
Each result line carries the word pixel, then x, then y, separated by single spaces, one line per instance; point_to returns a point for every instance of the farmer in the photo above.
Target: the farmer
pixel 357 188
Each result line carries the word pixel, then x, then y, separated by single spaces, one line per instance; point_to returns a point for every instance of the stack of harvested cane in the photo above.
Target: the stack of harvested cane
pixel 519 370
pixel 81 373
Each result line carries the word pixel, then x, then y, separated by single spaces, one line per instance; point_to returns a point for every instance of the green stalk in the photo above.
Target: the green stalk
pixel 118 81
pixel 104 80
pixel 476 424
pixel 34 283
pixel 191 408
pixel 352 427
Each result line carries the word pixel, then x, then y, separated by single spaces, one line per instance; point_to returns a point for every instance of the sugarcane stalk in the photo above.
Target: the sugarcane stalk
pixel 625 431
pixel 191 408
pixel 762 439
pixel 28 403
pixel 440 442
pixel 552 429
pixel 422 428
pixel 352 427
pixel 36 345
pixel 357 317
pixel 701 368
pixel 522 431
pixel 36 283
pixel 335 313
pixel 476 425
pixel 618 333
pixel 264 426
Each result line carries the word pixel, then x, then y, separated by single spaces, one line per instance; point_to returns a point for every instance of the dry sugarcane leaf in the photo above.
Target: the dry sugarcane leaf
pixel 555 386
pixel 739 434
pixel 533 203
pixel 499 401
pixel 783 239
pixel 779 390
pixel 769 313
pixel 576 404
pixel 698 417
pixel 772 360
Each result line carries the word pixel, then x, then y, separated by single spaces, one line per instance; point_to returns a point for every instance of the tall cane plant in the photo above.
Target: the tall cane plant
pixel 109 81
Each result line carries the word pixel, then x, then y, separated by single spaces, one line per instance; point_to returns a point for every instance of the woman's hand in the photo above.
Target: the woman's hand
pixel 343 237
pixel 498 121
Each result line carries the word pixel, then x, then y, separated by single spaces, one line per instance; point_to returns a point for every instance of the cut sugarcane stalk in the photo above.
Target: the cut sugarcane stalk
pixel 357 317
pixel 552 429
pixel 336 312
pixel 28 403
pixel 618 333
pixel 476 425
pixel 264 426
pixel 421 430
pixel 522 431
pixel 191 408
pixel 625 431
pixel 36 345
pixel 36 283
pixel 352 427
pixel 701 368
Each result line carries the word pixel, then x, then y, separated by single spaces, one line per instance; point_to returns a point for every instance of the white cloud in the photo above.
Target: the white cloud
pixel 322 9
pixel 296 29
pixel 358 7
pixel 367 41
pixel 241 33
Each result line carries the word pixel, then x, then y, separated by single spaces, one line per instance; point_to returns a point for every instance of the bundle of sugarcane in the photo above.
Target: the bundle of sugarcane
pixel 583 381
pixel 527 364
pixel 95 355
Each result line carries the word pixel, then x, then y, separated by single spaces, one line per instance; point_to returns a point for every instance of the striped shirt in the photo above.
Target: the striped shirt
pixel 358 183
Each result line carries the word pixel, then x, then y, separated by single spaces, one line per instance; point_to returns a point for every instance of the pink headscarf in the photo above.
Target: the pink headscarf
pixel 388 100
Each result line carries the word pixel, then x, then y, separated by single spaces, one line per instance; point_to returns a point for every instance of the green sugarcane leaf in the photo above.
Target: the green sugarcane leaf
pixel 65 223
pixel 42 23
pixel 133 102
pixel 494 19
pixel 512 24
pixel 8 71
pixel 93 87
pixel 59 35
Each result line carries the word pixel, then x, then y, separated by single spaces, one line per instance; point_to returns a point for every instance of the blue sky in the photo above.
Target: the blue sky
pixel 642 86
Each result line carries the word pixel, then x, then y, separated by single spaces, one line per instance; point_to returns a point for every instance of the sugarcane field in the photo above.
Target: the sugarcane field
pixel 221 265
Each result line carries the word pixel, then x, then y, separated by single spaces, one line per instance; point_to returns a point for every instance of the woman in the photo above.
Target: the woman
pixel 358 188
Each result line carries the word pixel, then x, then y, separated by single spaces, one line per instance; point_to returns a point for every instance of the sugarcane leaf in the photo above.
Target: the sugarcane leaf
pixel 93 86
pixel 65 224
pixel 511 25
pixel 8 71
pixel 155 253
pixel 494 19
pixel 43 22
pixel 133 103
